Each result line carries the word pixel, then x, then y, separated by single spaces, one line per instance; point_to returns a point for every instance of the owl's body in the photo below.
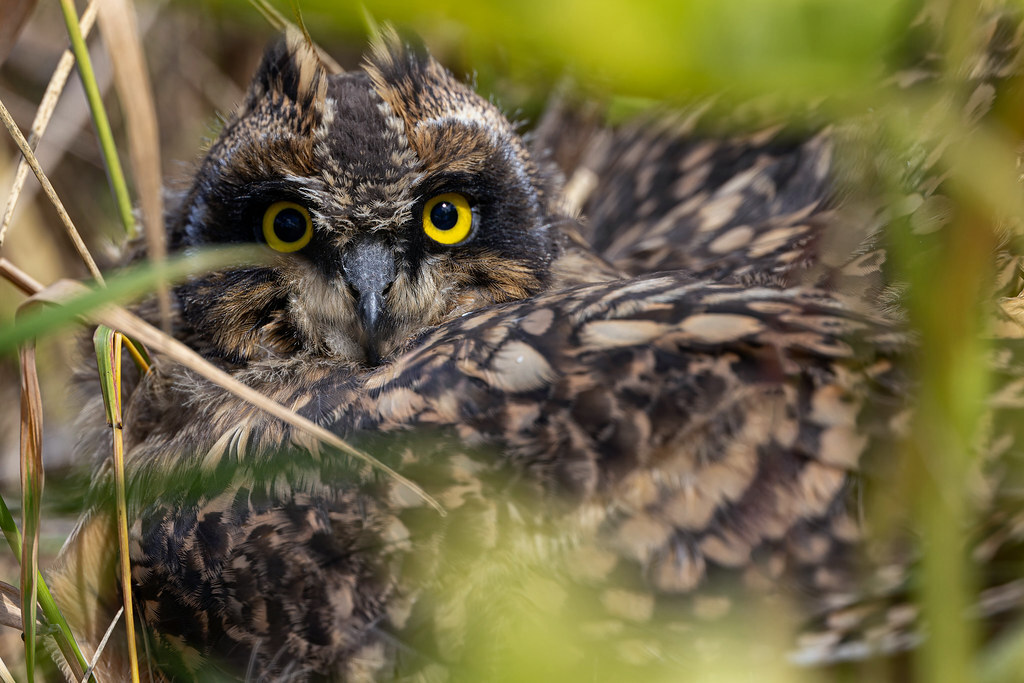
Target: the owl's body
pixel 640 448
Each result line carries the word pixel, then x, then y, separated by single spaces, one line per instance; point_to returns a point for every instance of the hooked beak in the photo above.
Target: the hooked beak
pixel 369 269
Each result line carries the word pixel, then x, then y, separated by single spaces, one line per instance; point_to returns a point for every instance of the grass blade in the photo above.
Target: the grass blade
pixel 65 639
pixel 128 285
pixel 99 117
pixel 108 359
pixel 5 674
pixel 42 119
pixel 31 492
pixel 34 590
pixel 121 36
pixel 30 157
pixel 139 355
pixel 103 641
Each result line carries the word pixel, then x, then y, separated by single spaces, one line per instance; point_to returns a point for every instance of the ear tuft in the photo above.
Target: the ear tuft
pixel 409 79
pixel 391 52
pixel 292 69
pixel 386 50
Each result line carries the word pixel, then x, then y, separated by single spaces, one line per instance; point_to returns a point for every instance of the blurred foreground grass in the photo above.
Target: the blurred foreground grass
pixel 825 55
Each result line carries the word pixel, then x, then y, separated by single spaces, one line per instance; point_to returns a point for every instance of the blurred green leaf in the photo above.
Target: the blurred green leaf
pixel 128 286
pixel 659 49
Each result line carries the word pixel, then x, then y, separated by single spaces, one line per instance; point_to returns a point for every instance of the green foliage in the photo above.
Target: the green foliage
pixel 130 285
pixel 659 49
pixel 642 54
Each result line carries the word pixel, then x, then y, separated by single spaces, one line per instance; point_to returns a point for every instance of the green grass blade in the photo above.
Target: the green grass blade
pixel 99 117
pixel 129 285
pixel 65 639
pixel 108 359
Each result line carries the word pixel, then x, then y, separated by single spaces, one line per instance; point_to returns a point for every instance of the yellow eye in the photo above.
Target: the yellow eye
pixel 287 226
pixel 447 218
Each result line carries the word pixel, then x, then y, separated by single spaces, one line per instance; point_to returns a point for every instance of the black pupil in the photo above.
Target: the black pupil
pixel 289 225
pixel 444 215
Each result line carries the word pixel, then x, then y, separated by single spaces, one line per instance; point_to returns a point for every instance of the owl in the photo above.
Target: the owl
pixel 641 388
pixel 396 198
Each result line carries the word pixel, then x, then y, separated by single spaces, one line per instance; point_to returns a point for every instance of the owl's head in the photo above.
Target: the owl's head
pixel 389 199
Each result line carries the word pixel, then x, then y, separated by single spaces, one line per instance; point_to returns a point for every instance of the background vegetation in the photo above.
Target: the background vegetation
pixel 825 55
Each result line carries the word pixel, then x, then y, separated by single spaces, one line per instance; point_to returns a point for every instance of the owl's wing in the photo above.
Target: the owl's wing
pixel 669 192
pixel 729 193
pixel 659 443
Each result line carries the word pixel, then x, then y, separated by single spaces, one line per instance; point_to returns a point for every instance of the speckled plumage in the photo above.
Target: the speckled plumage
pixel 645 445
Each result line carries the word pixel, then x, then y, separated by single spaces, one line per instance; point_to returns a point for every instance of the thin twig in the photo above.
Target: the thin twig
pixel 73 111
pixel 19 278
pixel 103 643
pixel 33 163
pixel 270 13
pixel 279 22
pixel 10 606
pixel 42 119
pixel 5 674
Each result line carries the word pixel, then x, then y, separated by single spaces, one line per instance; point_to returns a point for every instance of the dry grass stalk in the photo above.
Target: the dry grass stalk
pixel 42 119
pixel 69 226
pixel 120 32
